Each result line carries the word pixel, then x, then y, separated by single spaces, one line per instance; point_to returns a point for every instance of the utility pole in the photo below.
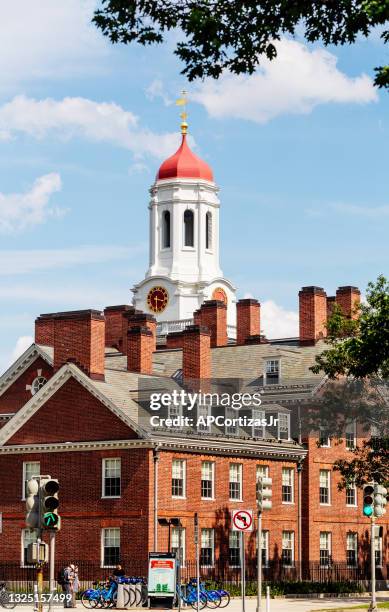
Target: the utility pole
pixel 243 572
pixel 51 568
pixel 155 459
pixel 196 539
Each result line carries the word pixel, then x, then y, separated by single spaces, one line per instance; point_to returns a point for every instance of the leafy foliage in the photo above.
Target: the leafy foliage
pixel 234 35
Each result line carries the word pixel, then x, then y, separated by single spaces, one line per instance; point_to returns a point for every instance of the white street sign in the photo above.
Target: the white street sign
pixel 242 520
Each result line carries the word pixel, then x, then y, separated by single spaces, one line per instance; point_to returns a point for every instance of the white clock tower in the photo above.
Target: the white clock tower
pixel 184 267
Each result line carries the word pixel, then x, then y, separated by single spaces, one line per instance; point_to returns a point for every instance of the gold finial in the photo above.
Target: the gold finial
pixel 183 101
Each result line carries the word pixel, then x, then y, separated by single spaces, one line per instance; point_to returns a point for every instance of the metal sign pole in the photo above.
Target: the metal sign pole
pixel 196 539
pixel 373 604
pixel 243 574
pixel 51 568
pixel 179 565
pixel 259 562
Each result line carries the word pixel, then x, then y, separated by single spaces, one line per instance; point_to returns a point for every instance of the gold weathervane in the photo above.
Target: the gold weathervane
pixel 183 101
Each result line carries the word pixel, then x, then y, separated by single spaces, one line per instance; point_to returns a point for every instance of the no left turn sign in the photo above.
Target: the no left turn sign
pixel 242 520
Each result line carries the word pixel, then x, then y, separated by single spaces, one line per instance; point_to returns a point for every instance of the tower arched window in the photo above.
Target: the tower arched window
pixel 166 230
pixel 188 228
pixel 208 230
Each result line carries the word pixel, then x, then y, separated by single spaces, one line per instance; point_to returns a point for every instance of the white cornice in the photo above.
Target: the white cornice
pixel 21 365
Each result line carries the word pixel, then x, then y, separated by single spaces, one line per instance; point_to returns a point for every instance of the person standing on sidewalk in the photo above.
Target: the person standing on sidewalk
pixel 67 586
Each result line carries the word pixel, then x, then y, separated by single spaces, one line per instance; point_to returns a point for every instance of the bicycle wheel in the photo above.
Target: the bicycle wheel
pixel 224 599
pixel 213 599
pixel 88 601
pixel 202 601
pixel 6 601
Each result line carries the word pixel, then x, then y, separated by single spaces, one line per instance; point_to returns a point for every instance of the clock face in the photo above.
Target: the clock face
pixel 219 294
pixel 157 299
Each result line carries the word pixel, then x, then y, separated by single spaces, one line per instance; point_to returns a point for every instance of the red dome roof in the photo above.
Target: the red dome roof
pixel 185 164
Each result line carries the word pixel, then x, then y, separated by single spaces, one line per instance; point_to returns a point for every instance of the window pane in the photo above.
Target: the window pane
pixel 112 471
pixel 178 476
pixel 207 547
pixel 176 543
pixel 166 229
pixel 207 468
pixel 287 485
pixel 234 548
pixel 111 539
pixel 31 468
pixel 235 481
pixel 287 547
pixel 28 538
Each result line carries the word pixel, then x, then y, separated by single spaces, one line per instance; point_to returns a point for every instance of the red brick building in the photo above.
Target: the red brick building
pixel 74 408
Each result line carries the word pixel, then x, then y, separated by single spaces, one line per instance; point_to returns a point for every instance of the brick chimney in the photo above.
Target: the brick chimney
pixel 248 312
pixel 44 330
pixel 313 314
pixel 213 315
pixel 330 305
pixel 114 325
pixel 79 337
pixel 125 315
pixel 140 347
pixel 142 319
pixel 174 340
pixel 348 298
pixel 196 353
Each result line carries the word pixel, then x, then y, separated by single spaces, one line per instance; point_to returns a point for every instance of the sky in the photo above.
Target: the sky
pixel 299 150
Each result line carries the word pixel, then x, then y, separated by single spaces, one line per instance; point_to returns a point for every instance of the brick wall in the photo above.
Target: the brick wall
pixel 312 314
pixel 247 320
pixel 213 315
pixel 196 359
pixel 348 299
pixel 140 347
pixel 44 330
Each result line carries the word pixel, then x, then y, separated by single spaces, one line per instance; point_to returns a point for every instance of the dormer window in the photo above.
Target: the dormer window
pixel 272 372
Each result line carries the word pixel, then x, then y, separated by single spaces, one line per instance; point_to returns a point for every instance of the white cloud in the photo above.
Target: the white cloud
pixel 294 83
pixel 372 212
pixel 19 211
pixel 105 122
pixel 27 261
pixel 156 89
pixel 46 38
pixel 22 344
pixel 277 322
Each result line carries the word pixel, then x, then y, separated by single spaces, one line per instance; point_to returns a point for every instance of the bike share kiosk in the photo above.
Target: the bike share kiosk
pixel 162 578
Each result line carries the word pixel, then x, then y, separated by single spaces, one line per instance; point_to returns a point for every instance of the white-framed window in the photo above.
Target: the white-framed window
pixel 178 478
pixel 259 431
pixel 262 471
pixel 166 230
pixel 287 485
pixel 203 412
pixel 231 425
pixel 176 543
pixel 324 487
pixel 188 228
pixel 207 551
pixel 265 548
pixel 283 426
pixel 287 548
pixel 173 412
pixel 207 480
pixel 110 546
pixel 208 231
pixel 30 469
pixel 325 548
pixel 272 371
pixel 352 549
pixel 235 484
pixel 234 546
pixel 111 485
pixel 28 536
pixel 351 494
pixel 378 546
pixel 38 382
pixel 324 438
pixel 351 435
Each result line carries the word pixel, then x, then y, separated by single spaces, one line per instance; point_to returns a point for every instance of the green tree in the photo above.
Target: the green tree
pixel 234 35
pixel 358 353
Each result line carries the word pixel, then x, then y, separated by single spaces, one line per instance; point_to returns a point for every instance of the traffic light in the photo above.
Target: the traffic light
pixel 32 504
pixel 264 493
pixel 380 500
pixel 49 503
pixel 368 500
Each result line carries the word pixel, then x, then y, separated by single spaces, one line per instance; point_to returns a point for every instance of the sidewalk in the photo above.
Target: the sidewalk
pixel 276 605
